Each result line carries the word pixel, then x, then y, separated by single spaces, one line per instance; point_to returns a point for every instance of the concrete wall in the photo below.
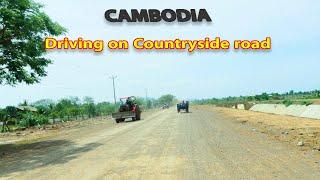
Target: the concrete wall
pixel 269 108
pixel 240 106
pixel 296 110
pixel 311 111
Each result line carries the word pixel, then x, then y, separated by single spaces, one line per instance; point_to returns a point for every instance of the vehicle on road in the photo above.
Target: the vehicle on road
pixel 128 109
pixel 165 106
pixel 184 105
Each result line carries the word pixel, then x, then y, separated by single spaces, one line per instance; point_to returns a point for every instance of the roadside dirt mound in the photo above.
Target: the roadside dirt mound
pixel 316 102
pixel 301 132
pixel 34 133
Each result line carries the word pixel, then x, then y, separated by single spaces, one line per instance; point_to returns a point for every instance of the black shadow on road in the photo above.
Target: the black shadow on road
pixel 23 157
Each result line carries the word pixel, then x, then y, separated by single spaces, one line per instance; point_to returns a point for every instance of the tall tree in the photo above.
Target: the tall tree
pixel 166 99
pixel 23 26
pixel 89 106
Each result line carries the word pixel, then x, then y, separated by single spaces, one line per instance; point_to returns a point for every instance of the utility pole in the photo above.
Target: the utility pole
pixel 146 98
pixel 114 89
pixel 146 93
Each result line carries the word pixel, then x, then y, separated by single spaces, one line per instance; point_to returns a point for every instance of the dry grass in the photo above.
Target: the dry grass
pixel 285 128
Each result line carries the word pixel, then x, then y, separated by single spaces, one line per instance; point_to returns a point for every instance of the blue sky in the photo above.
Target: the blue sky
pixel 293 62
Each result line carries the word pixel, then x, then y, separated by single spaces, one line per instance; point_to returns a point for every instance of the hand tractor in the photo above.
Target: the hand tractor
pixel 184 105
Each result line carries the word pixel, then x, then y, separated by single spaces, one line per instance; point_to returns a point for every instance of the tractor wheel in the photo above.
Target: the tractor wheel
pixel 178 110
pixel 138 116
pixel 120 120
pixel 187 110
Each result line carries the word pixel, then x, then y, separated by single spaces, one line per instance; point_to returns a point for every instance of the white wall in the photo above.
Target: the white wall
pixel 311 111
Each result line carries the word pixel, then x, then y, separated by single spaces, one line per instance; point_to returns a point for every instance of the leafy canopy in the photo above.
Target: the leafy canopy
pixel 166 99
pixel 23 27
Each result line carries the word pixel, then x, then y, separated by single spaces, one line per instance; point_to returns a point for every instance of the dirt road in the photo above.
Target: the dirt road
pixel 200 145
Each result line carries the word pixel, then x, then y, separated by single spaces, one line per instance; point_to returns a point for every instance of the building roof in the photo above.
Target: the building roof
pixel 27 108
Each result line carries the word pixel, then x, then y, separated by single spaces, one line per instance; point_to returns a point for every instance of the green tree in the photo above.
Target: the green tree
pixel 166 99
pixel 44 106
pixel 140 101
pixel 88 100
pixel 291 92
pixel 11 112
pixel 23 26
pixel 3 119
pixel 149 104
pixel 262 97
pixel 90 110
pixel 104 108
pixel 89 106
pixel 63 108
pixel 47 103
pixel 82 111
pixel 75 111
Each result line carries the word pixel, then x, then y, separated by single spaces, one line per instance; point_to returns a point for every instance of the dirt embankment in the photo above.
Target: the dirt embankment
pixel 48 130
pixel 12 142
pixel 297 131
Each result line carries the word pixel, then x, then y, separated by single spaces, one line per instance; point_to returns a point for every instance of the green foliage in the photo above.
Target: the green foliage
pixel 70 108
pixel 2 115
pixel 166 99
pixel 89 107
pixel 90 110
pixel 104 108
pixel 23 27
pixel 140 101
pixel 287 102
pixel 307 103
pixel 149 104
pixel 11 112
pixel 30 119
pixel 3 119
pixel 74 111
pixel 88 100
pixel 262 97
pixel 287 98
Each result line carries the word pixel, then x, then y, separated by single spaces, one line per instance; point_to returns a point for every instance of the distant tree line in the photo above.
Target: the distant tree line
pixel 285 98
pixel 47 111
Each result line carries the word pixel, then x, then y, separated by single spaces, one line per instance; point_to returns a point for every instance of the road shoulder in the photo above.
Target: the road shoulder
pixel 302 133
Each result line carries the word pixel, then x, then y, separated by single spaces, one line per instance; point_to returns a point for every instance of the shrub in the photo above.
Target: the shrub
pixel 307 103
pixel 30 119
pixel 2 115
pixel 42 120
pixel 287 102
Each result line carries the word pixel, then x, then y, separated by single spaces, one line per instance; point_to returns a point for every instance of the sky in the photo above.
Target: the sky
pixel 292 64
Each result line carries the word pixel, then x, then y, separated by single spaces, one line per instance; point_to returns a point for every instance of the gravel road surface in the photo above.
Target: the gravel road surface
pixel 202 144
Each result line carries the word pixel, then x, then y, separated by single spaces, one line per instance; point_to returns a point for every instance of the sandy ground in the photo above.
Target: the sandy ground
pixel 32 134
pixel 203 144
pixel 292 130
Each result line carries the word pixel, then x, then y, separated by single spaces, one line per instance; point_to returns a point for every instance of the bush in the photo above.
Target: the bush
pixel 2 115
pixel 287 102
pixel 307 103
pixel 30 119
pixel 43 120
